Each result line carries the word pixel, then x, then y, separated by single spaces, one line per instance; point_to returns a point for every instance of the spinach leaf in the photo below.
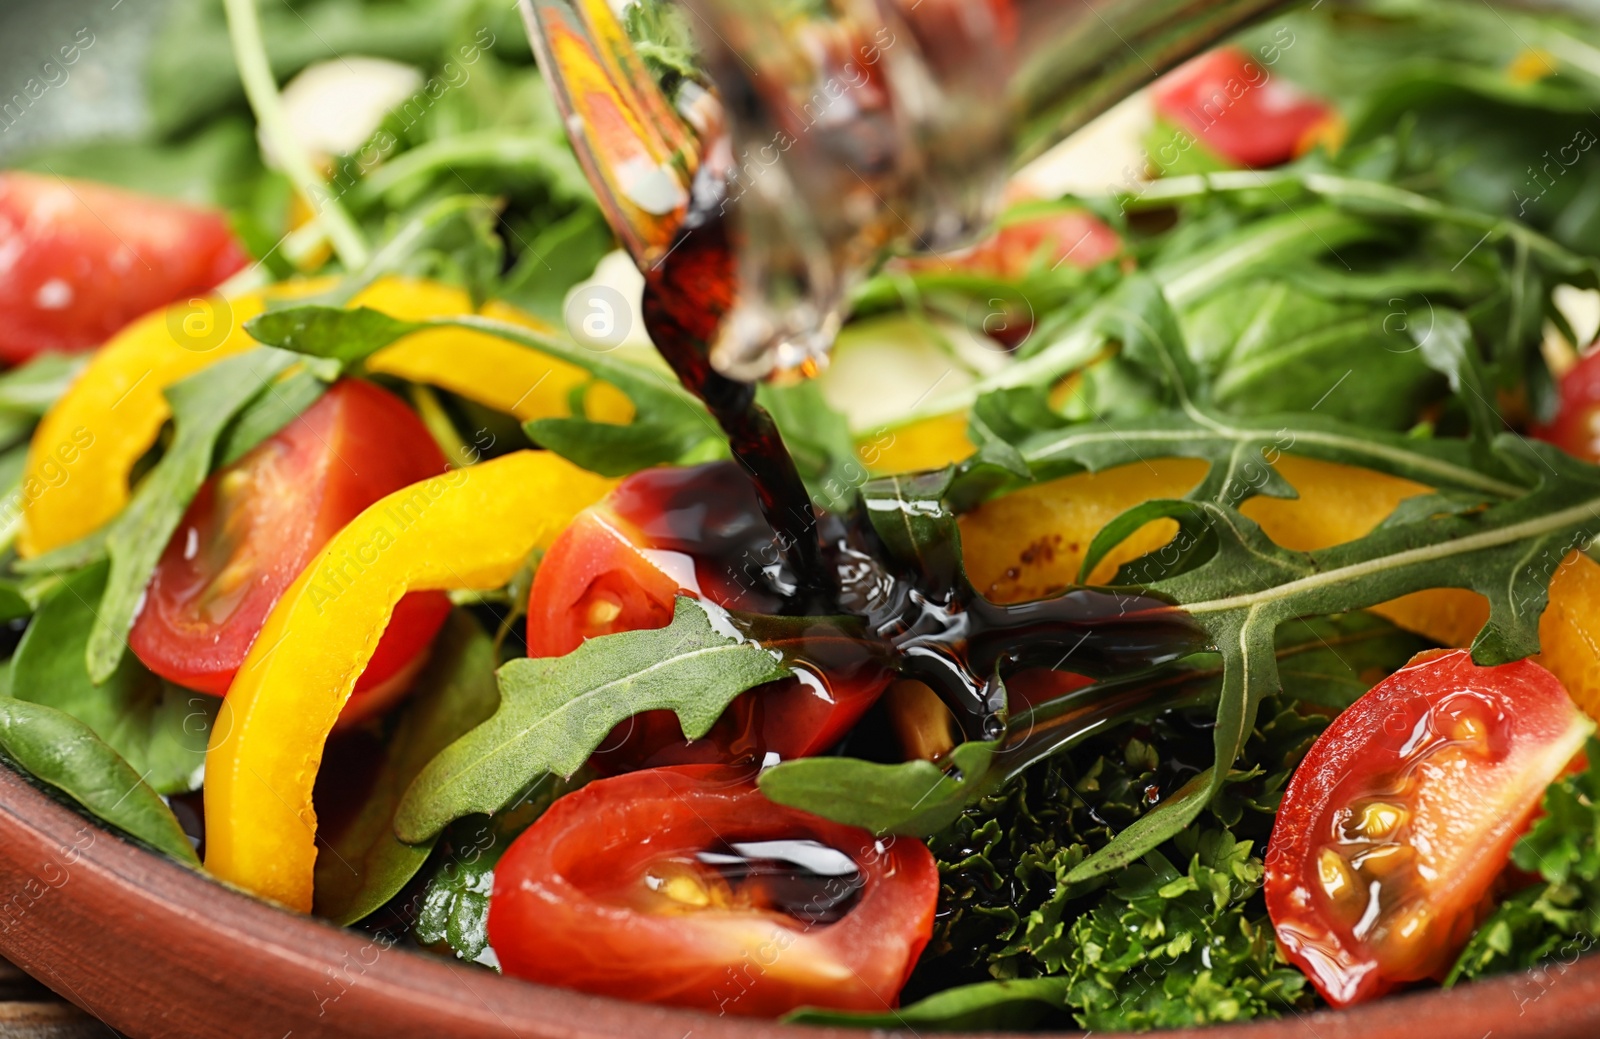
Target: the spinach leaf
pixel 159 729
pixel 554 712
pixel 57 749
pixel 364 864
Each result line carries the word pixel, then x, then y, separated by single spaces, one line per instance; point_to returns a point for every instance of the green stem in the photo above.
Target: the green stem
pixel 261 87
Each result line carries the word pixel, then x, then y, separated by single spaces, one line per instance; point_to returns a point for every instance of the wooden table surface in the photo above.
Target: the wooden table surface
pixel 28 1010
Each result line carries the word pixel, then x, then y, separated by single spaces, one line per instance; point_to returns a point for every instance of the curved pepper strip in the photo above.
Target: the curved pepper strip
pixel 468 529
pixel 502 375
pixel 1032 541
pixel 76 478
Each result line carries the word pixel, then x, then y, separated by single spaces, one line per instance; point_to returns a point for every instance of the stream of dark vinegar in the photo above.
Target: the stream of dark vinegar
pixel 938 629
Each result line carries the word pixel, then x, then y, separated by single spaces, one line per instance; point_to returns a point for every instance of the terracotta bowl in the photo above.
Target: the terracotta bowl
pixel 156 950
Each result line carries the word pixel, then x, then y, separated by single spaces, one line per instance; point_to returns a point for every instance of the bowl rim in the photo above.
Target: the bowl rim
pixel 89 912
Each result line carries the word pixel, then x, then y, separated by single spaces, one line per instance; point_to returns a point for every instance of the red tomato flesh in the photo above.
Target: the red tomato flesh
pixel 80 260
pixel 1244 114
pixel 1395 829
pixel 619 567
pixel 686 886
pixel 1576 427
pixel 256 524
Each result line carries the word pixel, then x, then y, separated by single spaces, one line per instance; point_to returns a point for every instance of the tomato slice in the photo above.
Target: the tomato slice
pixel 686 886
pixel 256 524
pixel 1395 829
pixel 80 260
pixel 1243 113
pixel 1576 427
pixel 692 531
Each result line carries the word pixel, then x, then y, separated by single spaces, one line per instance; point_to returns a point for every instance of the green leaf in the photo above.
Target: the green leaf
pixel 454 917
pixel 555 711
pixel 615 450
pixel 819 440
pixel 57 749
pixel 202 407
pixel 278 405
pixel 669 424
pixel 34 386
pixel 914 797
pixel 346 336
pixel 363 863
pixel 985 1006
pixel 159 729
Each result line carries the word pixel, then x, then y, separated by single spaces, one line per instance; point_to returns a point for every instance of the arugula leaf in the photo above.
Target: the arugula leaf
pixel 367 865
pixel 202 406
pixel 57 749
pixel 277 406
pixel 913 797
pixel 554 712
pixel 1239 586
pixel 159 729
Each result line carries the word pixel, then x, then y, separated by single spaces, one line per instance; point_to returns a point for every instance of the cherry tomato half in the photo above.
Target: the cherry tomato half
pixel 1242 113
pixel 686 886
pixel 80 260
pixel 1576 427
pixel 256 524
pixel 1395 829
pixel 692 531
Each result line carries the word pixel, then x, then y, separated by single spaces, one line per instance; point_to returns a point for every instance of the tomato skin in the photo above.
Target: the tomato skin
pixel 570 906
pixel 1395 831
pixel 1239 110
pixel 606 573
pixel 79 260
pixel 256 524
pixel 1576 427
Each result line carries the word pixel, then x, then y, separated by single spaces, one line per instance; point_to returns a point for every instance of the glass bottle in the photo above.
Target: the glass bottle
pixel 840 129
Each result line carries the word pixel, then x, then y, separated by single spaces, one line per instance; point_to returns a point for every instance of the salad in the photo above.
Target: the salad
pixel 1179 607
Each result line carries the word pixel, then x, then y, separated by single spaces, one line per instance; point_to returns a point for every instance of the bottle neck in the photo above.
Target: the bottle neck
pixel 893 125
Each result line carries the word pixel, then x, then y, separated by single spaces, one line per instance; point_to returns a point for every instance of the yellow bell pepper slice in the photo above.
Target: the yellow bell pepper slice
pixel 492 371
pixel 930 444
pixel 468 529
pixel 76 477
pixel 1031 542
